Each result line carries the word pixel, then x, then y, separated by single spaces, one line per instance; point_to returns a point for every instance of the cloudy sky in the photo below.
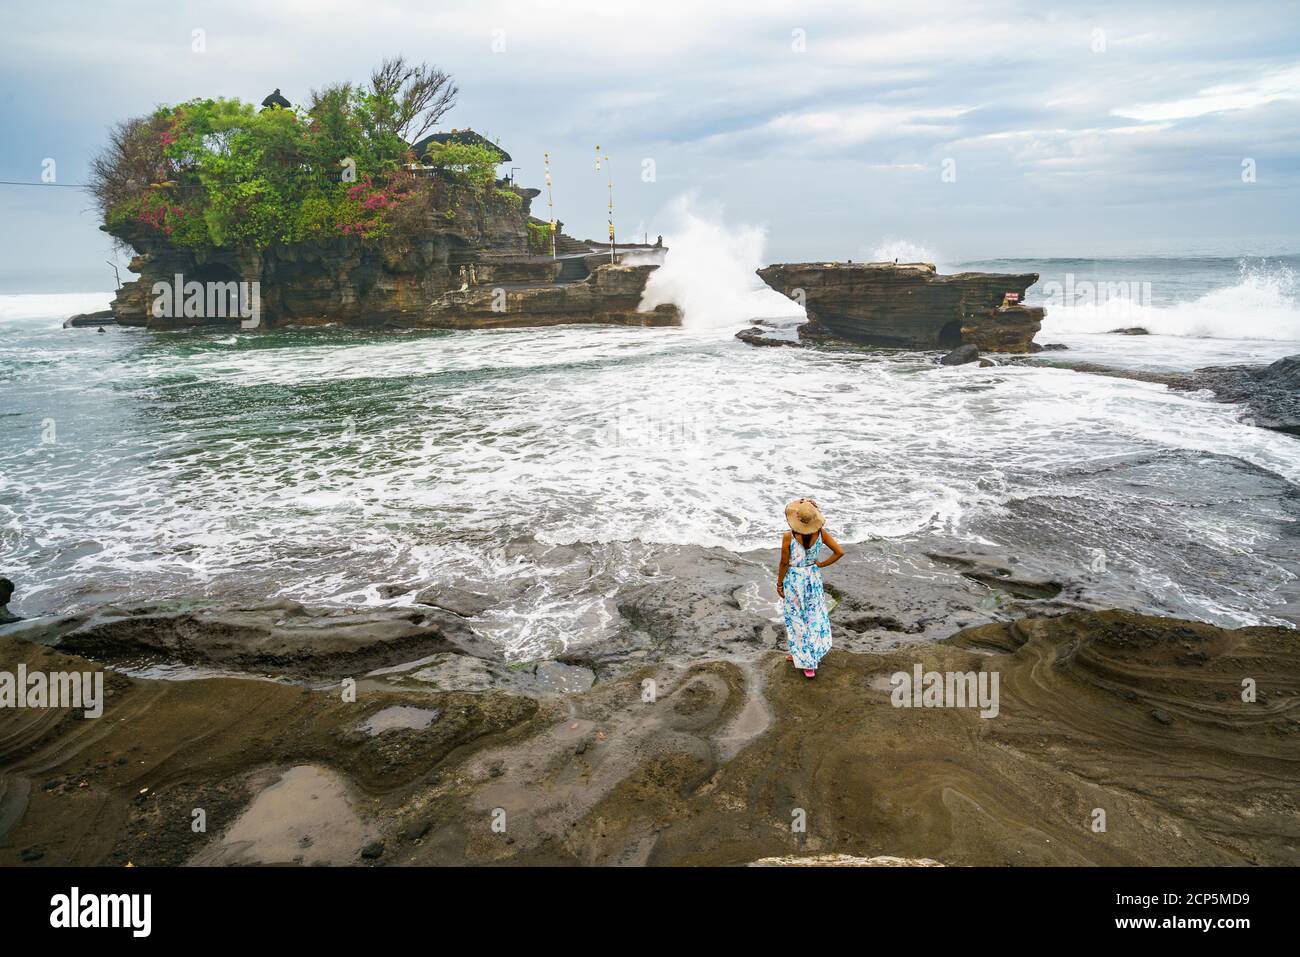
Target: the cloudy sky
pixel 971 129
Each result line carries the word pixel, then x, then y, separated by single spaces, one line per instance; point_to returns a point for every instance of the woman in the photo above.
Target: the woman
pixel 799 583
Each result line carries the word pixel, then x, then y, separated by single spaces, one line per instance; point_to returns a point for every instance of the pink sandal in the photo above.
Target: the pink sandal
pixel 809 673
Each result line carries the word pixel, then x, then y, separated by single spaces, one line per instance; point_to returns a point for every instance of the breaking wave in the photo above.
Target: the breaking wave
pixel 710 271
pixel 1262 304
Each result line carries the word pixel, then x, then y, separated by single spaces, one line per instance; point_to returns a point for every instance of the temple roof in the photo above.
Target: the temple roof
pixel 274 99
pixel 468 137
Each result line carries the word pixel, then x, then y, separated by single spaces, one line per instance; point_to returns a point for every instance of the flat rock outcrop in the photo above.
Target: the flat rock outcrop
pixel 281 637
pixel 611 294
pixel 911 305
pixel 1271 392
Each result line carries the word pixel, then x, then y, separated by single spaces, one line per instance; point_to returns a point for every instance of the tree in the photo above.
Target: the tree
pixel 409 99
pixel 130 163
pixel 218 172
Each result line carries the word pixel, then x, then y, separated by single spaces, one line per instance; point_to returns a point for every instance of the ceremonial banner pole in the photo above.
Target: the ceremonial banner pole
pixel 550 204
pixel 610 172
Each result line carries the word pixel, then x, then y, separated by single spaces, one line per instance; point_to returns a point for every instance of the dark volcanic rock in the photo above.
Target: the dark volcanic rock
pixel 961 355
pixel 982 569
pixel 104 317
pixel 1271 393
pixel 757 336
pixel 279 638
pixel 911 305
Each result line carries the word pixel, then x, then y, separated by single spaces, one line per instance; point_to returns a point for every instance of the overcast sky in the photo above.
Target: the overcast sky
pixel 1014 129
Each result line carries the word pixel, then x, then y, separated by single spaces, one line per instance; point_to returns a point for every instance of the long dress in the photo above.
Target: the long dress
pixel 807 623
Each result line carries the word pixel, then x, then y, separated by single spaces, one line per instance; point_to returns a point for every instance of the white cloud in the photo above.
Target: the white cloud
pixel 1284 85
pixel 862 123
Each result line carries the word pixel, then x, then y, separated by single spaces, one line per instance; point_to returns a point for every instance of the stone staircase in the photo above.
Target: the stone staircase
pixel 573 269
pixel 567 245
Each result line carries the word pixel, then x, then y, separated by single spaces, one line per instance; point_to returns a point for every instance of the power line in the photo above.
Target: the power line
pixel 13 182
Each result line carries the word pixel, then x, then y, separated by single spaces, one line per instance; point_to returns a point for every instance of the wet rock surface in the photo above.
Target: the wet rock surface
pixel 278 638
pixel 679 735
pixel 103 317
pixel 961 355
pixel 610 295
pixel 1270 393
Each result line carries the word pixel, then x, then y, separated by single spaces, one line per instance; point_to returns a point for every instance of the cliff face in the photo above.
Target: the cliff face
pixel 911 305
pixel 396 280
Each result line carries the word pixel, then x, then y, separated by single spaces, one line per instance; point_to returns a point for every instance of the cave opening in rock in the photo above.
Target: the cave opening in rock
pixel 221 290
pixel 950 334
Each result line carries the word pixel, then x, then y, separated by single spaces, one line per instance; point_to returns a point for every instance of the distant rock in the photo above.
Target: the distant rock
pixel 757 336
pixel 911 305
pixel 1129 331
pixel 104 317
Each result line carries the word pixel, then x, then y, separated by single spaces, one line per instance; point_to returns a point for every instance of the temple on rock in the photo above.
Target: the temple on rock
pixel 462 137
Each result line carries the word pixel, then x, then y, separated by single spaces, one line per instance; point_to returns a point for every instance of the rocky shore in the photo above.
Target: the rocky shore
pixel 684 739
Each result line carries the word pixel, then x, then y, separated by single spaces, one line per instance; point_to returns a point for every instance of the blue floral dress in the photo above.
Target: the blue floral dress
pixel 807 622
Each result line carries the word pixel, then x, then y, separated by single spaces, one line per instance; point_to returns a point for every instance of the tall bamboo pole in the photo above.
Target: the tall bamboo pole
pixel 550 203
pixel 610 172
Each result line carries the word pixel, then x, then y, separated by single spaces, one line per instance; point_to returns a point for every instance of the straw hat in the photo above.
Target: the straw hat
pixel 804 516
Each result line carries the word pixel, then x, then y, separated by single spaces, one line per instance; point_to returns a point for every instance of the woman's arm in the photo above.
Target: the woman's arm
pixel 836 552
pixel 784 566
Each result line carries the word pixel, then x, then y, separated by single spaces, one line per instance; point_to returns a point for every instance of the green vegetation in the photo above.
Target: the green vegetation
pixel 465 163
pixel 224 173
pixel 539 238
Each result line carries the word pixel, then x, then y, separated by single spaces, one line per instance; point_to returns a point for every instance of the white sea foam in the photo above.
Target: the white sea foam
pixel 1262 304
pixel 904 250
pixel 50 308
pixel 710 270
pixel 328 465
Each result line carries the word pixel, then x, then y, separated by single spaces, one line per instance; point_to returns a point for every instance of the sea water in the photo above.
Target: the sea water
pixel 323 465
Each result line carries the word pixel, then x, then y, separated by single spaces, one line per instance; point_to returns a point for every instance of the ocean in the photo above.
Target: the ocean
pixel 329 465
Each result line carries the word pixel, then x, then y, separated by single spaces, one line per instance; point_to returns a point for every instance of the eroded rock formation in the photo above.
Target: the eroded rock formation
pixel 1140 717
pixel 911 305
pixel 468 267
